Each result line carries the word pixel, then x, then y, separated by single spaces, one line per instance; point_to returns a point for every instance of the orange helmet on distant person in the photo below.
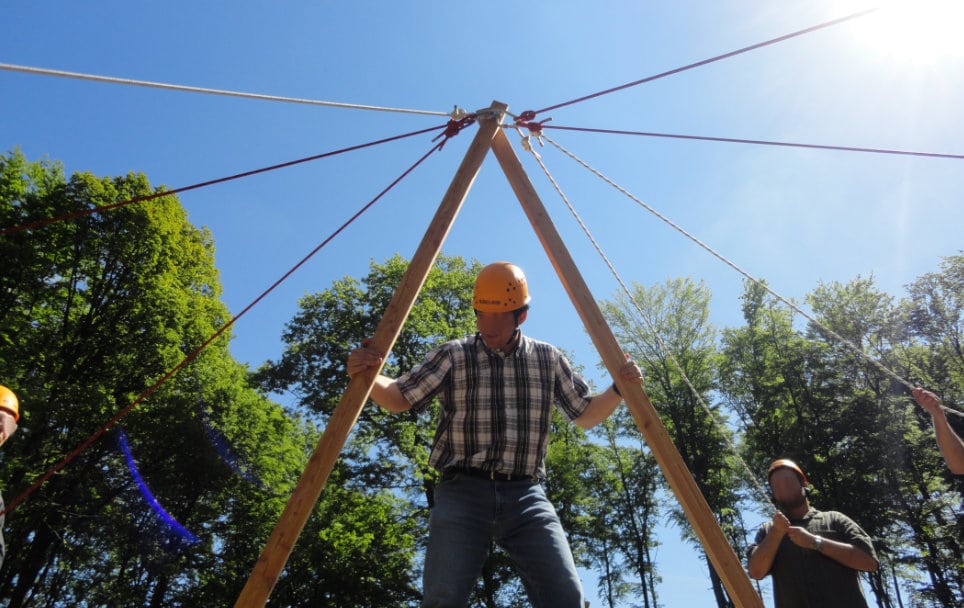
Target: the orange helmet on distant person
pixel 500 287
pixel 9 402
pixel 786 463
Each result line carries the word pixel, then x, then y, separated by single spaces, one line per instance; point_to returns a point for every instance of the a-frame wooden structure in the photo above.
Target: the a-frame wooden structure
pixel 491 136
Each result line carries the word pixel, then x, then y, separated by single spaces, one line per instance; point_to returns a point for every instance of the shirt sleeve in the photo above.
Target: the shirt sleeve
pixel 853 534
pixel 761 533
pixel 424 381
pixel 572 392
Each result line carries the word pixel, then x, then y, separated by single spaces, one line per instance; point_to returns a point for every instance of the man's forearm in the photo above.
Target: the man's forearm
pixel 761 559
pixel 949 443
pixel 600 407
pixel 386 394
pixel 848 555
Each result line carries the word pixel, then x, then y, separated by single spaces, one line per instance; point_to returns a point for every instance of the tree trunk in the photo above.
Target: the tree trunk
pixel 879 588
pixel 722 599
pixel 33 563
pixel 893 574
pixel 160 591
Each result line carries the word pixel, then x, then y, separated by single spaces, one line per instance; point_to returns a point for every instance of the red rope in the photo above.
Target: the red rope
pixel 148 197
pixel 524 120
pixel 761 142
pixel 191 356
pixel 532 114
pixel 453 128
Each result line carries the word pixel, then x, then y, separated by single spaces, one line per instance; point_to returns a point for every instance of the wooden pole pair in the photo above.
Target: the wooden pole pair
pixel 289 526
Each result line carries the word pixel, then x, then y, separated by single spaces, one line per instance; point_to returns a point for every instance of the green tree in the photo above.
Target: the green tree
pixel 932 356
pixel 677 351
pixel 95 310
pixel 623 481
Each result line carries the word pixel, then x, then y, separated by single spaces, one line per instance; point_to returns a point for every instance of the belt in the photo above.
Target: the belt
pixel 483 474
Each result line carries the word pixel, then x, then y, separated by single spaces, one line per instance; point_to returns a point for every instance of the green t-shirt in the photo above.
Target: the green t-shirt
pixel 804 578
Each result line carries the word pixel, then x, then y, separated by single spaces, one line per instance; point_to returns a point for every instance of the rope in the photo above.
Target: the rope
pixel 755 482
pixel 193 354
pixel 649 323
pixel 732 265
pixel 148 197
pixel 190 89
pixel 453 128
pixel 531 114
pixel 759 142
pixel 745 274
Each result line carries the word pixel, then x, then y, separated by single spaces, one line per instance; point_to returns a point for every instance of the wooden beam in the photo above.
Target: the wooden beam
pixel 292 521
pixel 697 511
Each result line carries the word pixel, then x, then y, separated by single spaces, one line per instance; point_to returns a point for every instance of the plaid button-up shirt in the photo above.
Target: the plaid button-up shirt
pixel 495 409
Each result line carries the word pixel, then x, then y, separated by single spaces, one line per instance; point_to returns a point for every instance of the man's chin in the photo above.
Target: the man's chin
pixel 787 506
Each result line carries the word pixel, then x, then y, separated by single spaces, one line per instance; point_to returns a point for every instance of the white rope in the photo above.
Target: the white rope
pixel 652 328
pixel 177 87
pixel 732 265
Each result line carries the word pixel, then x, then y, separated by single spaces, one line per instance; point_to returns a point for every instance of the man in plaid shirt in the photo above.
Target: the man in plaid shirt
pixel 496 390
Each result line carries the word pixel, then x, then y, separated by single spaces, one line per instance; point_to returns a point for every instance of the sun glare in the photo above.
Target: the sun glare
pixel 917 31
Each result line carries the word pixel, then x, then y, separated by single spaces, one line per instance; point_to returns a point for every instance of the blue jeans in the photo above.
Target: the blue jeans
pixel 468 514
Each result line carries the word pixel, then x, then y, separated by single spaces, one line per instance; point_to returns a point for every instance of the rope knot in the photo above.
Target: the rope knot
pixel 453 128
pixel 525 116
pixel 535 130
pixel 535 127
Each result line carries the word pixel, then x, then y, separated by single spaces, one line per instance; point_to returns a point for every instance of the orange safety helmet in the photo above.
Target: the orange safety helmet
pixel 9 402
pixel 786 463
pixel 500 287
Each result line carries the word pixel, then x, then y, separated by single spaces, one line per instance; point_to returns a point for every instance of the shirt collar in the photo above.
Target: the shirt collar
pixel 515 345
pixel 810 514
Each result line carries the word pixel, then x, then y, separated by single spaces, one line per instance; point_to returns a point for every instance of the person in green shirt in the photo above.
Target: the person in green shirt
pixel 814 557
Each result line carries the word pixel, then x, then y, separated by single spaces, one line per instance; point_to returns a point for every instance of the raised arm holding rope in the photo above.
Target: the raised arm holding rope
pixel 951 446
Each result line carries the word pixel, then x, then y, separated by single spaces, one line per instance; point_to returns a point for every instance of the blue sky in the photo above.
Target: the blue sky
pixel 795 217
